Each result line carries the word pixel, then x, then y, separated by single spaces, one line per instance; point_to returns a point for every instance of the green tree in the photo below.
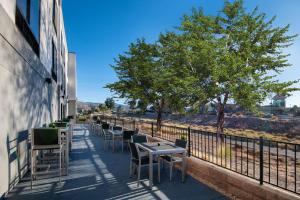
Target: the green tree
pixel 294 109
pixel 102 107
pixel 110 103
pixel 233 54
pixel 148 75
pixel 119 110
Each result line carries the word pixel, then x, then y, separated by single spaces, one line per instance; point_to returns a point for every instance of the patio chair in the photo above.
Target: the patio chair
pixel 61 124
pixel 171 160
pixel 127 137
pixel 138 161
pixel 138 138
pixel 107 135
pixel 45 139
pixel 117 128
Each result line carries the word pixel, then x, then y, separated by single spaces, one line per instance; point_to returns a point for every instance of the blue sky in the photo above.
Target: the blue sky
pixel 99 30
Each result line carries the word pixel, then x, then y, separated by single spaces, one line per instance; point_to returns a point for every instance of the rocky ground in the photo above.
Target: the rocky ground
pixel 283 129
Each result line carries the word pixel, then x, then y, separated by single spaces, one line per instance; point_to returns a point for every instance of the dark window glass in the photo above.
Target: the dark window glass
pixel 28 21
pixel 22 5
pixel 35 17
pixel 54 14
pixel 54 62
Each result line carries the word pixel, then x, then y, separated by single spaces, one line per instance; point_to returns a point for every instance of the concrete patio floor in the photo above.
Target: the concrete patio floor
pixel 96 173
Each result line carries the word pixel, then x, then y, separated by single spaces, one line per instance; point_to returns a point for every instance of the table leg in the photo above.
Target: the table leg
pixel 113 147
pixel 183 167
pixel 67 154
pixel 150 170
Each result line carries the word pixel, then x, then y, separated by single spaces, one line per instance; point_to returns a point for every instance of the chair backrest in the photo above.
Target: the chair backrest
pixel 133 150
pixel 45 136
pixel 139 138
pixel 61 124
pixel 181 143
pixel 136 131
pixel 127 134
pixel 95 118
pixel 105 126
pixel 117 128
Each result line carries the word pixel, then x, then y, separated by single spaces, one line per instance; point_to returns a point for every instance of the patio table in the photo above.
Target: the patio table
pixel 116 134
pixel 162 148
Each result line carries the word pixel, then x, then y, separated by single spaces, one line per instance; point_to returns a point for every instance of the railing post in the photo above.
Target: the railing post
pixel 134 124
pixel 152 131
pixel 261 160
pixel 115 121
pixel 189 141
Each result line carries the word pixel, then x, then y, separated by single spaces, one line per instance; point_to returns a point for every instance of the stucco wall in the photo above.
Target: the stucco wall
pixel 26 100
pixel 72 76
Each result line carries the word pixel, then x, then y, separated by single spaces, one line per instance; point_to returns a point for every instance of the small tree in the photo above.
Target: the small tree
pixel 102 107
pixel 294 110
pixel 148 74
pixel 110 103
pixel 119 110
pixel 233 54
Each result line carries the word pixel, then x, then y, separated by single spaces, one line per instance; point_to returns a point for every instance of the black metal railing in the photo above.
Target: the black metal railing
pixel 264 160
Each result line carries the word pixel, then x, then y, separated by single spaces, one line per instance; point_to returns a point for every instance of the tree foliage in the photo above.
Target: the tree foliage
pixel 109 103
pixel 236 55
pixel 149 74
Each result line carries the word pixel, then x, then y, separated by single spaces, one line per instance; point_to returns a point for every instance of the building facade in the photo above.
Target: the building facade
pixel 34 77
pixel 71 87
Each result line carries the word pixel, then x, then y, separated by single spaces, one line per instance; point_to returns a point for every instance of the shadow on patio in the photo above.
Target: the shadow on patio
pixel 98 174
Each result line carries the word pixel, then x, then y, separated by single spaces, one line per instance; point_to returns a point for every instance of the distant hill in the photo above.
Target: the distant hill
pixel 86 105
pixel 81 105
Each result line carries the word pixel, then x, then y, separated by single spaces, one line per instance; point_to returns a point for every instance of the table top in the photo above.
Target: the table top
pixel 161 148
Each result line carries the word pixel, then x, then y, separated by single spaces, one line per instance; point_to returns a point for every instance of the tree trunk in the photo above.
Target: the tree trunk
pixel 220 120
pixel 158 119
pixel 159 114
pixel 221 116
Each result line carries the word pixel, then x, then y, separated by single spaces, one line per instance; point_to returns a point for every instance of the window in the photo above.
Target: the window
pixel 54 62
pixel 55 15
pixel 35 17
pixel 28 21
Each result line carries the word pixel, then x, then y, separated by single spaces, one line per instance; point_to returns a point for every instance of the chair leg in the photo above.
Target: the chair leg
pixel 60 166
pixel 171 170
pixel 32 169
pixel 158 165
pixel 130 170
pixel 139 175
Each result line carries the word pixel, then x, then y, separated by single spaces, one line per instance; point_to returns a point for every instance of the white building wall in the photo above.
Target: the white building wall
pixel 72 93
pixel 26 99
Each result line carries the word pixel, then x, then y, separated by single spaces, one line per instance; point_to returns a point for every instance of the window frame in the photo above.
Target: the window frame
pixel 54 15
pixel 23 24
pixel 54 67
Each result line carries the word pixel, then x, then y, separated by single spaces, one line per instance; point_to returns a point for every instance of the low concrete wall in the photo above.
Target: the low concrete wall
pixel 234 185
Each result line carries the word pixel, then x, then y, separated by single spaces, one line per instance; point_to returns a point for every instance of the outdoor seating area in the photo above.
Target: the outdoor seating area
pixel 99 172
pixel 50 148
pixel 144 152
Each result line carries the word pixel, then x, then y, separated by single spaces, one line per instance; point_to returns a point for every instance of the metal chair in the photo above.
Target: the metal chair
pixel 45 139
pixel 137 160
pixel 107 135
pixel 138 138
pixel 117 128
pixel 174 158
pixel 127 137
